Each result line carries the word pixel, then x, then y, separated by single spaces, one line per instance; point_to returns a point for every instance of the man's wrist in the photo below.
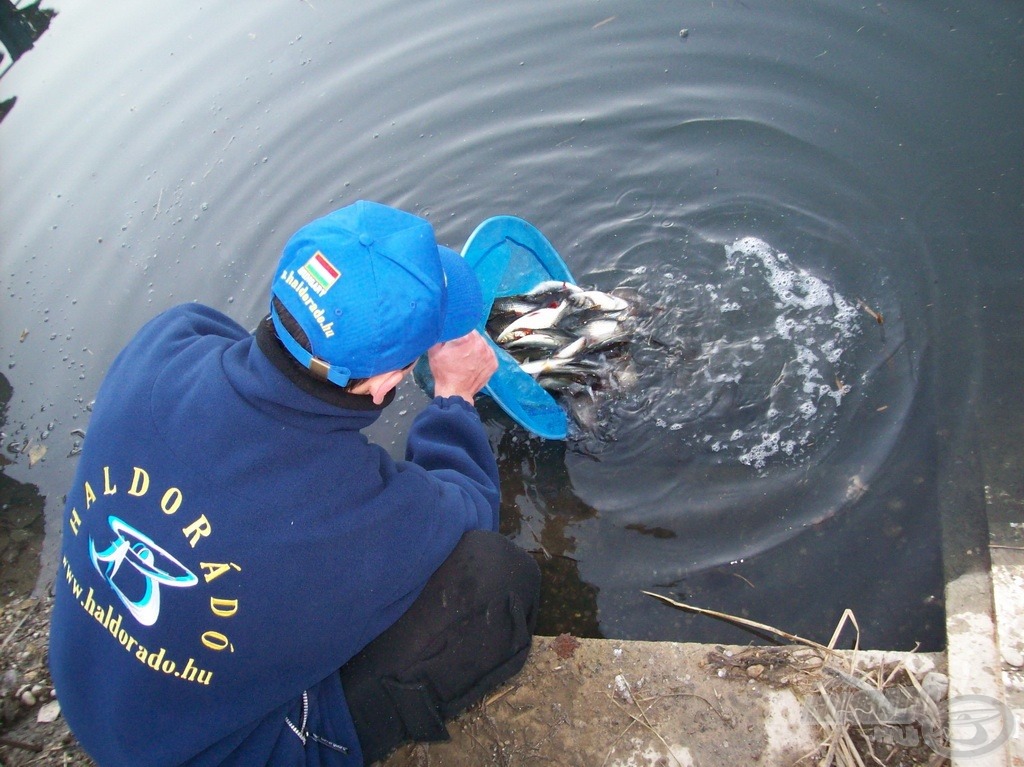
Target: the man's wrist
pixel 456 400
pixel 467 397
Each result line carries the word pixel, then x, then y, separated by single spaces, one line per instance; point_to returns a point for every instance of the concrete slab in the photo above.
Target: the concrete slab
pixel 1008 599
pixel 602 703
pixel 972 649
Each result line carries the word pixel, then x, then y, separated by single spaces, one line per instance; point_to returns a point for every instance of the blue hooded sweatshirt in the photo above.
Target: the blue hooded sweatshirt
pixel 231 540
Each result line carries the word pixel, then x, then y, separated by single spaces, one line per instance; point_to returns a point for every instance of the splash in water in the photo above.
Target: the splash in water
pixel 744 359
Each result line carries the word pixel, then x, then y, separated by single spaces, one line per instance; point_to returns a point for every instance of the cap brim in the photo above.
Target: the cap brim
pixel 465 306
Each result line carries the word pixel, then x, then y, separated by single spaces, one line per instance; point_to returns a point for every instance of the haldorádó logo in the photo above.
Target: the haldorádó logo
pixel 133 561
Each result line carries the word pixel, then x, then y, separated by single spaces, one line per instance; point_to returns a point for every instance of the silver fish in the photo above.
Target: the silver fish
pixel 595 299
pixel 563 366
pixel 600 330
pixel 546 317
pixel 572 341
pixel 564 383
pixel 544 340
pixel 552 286
pixel 513 305
pixel 572 350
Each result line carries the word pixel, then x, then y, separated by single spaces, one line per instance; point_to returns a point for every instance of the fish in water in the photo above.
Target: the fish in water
pixel 573 341
pixel 540 318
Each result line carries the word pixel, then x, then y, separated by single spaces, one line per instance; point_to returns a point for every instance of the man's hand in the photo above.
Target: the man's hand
pixel 462 367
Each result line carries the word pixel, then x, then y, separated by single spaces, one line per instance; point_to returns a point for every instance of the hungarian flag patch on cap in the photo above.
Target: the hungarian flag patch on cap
pixel 319 273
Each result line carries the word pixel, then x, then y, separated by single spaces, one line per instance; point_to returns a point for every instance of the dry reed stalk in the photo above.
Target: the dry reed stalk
pixel 838 728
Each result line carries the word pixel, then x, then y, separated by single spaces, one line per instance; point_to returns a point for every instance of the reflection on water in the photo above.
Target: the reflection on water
pixel 21 512
pixel 539 509
pixel 763 183
pixel 19 30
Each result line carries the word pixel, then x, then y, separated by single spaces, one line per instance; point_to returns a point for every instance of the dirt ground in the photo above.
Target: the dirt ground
pixel 25 688
pixel 26 694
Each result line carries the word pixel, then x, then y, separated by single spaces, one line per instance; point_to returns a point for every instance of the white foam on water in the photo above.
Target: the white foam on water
pixel 778 332
pixel 792 285
pixel 758 455
pixel 831 351
pixel 748 358
pixel 795 287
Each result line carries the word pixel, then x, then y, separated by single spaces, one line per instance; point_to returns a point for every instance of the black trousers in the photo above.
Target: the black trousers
pixel 467 632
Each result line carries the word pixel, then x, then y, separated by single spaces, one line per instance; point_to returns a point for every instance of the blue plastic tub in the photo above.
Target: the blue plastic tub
pixel 509 257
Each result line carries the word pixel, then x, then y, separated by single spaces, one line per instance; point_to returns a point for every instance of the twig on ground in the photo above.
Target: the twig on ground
pixel 721 715
pixel 632 720
pixel 656 733
pixel 14 631
pixel 846 616
pixel 645 722
pixel 500 694
pixel 12 743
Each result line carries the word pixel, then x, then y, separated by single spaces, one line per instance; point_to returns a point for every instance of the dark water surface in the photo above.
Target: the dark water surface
pixel 772 178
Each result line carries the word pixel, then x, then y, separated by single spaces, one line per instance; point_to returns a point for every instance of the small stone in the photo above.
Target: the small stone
pixel 622 689
pixel 935 685
pixel 1013 657
pixel 8 682
pixel 28 699
pixel 755 671
pixel 48 712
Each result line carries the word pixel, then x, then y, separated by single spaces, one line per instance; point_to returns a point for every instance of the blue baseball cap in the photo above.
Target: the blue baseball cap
pixel 372 290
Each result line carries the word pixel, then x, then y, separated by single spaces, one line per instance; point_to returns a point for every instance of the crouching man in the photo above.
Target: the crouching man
pixel 245 579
